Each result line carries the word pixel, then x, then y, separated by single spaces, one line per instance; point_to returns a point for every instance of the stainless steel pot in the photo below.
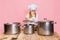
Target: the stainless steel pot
pixel 46 27
pixel 12 28
pixel 28 28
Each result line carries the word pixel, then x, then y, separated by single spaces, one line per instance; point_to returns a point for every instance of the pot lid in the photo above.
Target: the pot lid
pixel 45 20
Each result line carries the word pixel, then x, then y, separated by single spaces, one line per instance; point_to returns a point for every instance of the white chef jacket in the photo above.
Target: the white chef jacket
pixel 34 19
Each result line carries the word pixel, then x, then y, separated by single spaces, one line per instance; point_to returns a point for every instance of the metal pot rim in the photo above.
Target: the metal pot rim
pixel 46 21
pixel 12 23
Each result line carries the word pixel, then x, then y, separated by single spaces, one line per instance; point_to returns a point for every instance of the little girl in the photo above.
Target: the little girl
pixel 32 17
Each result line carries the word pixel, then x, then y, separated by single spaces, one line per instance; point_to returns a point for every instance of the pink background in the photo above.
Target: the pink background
pixel 15 11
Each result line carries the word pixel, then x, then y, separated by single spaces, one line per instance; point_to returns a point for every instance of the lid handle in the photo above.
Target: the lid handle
pixel 45 19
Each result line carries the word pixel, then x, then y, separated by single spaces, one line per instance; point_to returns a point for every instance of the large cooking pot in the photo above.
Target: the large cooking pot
pixel 12 28
pixel 46 27
pixel 28 28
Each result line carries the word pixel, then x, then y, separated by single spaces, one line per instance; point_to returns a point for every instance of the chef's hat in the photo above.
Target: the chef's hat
pixel 32 7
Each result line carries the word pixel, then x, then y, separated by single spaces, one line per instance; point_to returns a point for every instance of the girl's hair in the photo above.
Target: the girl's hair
pixel 30 14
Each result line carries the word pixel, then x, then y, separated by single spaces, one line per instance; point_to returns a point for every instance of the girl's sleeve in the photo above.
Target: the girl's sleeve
pixel 36 18
pixel 27 16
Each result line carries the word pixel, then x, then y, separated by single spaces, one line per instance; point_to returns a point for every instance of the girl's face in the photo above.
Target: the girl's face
pixel 33 12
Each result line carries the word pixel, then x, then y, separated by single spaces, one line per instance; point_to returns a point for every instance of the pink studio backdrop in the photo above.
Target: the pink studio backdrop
pixel 15 11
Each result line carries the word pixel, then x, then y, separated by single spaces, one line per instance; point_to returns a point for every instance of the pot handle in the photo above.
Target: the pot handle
pixel 54 22
pixel 45 19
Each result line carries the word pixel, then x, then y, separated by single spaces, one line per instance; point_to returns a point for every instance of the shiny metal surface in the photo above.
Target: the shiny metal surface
pixel 28 28
pixel 12 28
pixel 46 28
